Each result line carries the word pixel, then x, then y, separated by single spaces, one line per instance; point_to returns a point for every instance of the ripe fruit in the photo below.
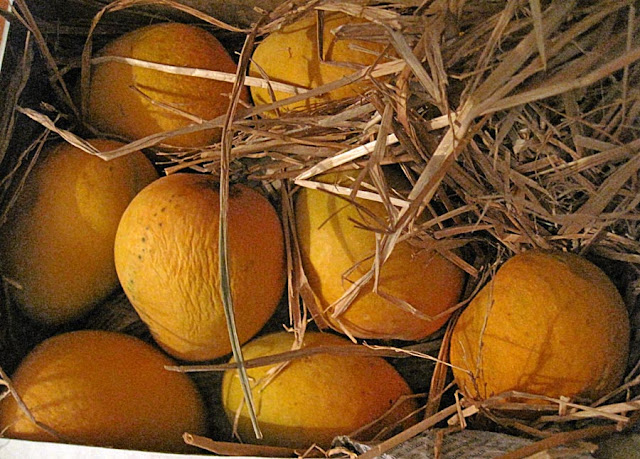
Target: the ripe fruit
pixel 550 324
pixel 106 389
pixel 58 239
pixel 291 55
pixel 132 101
pixel 317 397
pixel 166 255
pixel 4 5
pixel 337 251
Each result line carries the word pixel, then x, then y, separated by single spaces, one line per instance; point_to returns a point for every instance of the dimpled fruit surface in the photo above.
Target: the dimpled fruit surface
pixel 167 259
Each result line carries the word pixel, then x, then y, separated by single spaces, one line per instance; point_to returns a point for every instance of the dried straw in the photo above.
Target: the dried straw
pixel 515 122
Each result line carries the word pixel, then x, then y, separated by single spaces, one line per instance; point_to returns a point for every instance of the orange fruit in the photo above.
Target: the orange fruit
pixel 4 5
pixel 135 102
pixel 550 324
pixel 317 397
pixel 290 55
pixel 105 389
pixel 337 250
pixel 166 255
pixel 58 240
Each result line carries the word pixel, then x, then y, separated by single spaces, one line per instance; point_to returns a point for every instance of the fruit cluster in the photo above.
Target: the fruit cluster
pixel 83 227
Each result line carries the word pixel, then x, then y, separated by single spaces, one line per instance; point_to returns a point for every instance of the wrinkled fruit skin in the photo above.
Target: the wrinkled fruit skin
pixel 105 389
pixel 332 244
pixel 317 397
pixel 132 101
pixel 167 260
pixel 549 324
pixel 57 243
pixel 291 55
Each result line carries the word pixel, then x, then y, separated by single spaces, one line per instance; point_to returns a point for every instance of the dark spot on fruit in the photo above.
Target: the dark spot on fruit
pixel 235 191
pixel 144 239
pixel 205 182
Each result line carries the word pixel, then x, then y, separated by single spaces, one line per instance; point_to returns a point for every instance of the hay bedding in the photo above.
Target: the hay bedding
pixel 515 121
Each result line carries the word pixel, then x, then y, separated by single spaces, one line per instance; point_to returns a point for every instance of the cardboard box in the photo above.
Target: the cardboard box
pixel 21 449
